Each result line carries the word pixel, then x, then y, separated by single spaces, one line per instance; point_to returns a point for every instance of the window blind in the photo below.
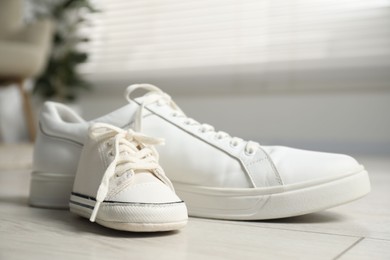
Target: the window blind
pixel 301 41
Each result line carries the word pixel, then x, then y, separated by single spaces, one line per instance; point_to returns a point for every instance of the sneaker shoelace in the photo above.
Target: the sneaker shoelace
pixel 156 95
pixel 130 152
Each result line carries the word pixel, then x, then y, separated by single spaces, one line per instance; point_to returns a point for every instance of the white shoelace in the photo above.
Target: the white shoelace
pixel 131 151
pixel 156 95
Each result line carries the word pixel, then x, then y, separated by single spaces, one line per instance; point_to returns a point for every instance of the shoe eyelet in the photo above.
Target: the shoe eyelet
pixel 233 145
pixel 129 173
pixel 174 114
pixel 249 153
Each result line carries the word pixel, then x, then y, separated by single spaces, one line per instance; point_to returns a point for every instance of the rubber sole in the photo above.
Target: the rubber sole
pixel 53 191
pixel 50 190
pixel 134 217
pixel 272 203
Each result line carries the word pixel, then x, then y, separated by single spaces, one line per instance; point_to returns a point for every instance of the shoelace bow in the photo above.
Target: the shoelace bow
pixel 130 151
pixel 156 95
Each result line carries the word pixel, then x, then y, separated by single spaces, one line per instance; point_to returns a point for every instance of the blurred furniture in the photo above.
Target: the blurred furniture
pixel 23 51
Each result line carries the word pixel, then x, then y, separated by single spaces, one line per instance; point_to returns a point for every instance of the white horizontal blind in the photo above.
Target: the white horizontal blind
pixel 138 36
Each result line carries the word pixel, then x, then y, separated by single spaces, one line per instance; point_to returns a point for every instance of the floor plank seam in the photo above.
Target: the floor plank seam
pixel 378 239
pixel 284 229
pixel 349 248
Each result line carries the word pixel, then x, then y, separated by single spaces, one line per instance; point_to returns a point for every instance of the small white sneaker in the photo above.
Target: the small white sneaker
pixel 218 176
pixel 120 185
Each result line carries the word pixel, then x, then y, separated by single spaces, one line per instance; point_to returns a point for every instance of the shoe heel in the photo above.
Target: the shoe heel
pixel 50 190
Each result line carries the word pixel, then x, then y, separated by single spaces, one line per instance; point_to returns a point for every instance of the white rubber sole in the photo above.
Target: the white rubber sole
pixel 50 190
pixel 272 203
pixel 134 217
pixel 53 191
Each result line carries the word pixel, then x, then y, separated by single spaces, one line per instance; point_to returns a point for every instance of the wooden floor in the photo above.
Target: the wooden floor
pixel 359 230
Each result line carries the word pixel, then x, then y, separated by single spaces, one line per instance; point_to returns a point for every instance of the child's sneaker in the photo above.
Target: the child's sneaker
pixel 120 185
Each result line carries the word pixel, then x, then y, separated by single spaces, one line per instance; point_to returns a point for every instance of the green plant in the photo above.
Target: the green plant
pixel 61 79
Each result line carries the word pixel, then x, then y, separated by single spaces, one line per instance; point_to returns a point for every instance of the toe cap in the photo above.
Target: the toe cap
pixel 145 188
pixel 295 165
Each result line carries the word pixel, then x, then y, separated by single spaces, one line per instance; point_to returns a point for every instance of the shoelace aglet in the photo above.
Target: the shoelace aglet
pixel 95 211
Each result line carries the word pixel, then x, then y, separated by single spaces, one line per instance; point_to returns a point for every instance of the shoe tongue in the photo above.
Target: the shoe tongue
pixel 140 99
pixel 121 117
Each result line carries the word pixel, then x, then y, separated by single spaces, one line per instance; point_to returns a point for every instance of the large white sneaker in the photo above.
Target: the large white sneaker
pixel 120 185
pixel 218 176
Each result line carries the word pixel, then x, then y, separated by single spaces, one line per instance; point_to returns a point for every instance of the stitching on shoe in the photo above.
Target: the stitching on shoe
pixel 257 161
pixel 127 185
pixel 142 205
pixel 276 172
pixel 59 137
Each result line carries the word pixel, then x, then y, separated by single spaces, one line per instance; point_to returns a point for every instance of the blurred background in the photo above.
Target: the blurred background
pixel 313 74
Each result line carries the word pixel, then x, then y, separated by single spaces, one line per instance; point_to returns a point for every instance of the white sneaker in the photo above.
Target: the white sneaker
pixel 225 177
pixel 60 138
pixel 120 185
pixel 219 176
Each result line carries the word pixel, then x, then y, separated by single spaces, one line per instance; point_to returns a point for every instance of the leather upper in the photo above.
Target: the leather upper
pixel 192 157
pixel 296 166
pixel 139 187
pixel 189 156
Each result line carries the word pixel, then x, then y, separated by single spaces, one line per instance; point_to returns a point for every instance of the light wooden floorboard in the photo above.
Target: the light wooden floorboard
pixel 52 234
pixel 360 230
pixel 368 249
